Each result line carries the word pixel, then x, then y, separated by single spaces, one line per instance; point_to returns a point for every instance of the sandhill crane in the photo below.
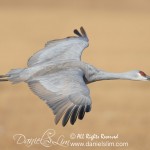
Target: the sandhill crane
pixel 57 75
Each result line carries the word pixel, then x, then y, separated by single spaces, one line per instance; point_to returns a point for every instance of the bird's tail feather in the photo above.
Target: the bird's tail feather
pixel 14 71
pixel 14 75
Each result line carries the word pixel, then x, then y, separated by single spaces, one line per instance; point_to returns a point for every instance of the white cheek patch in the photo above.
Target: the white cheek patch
pixel 140 77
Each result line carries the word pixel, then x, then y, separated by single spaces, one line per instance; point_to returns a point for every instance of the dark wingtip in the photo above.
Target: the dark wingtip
pixel 77 32
pixel 74 115
pixel 81 113
pixel 83 31
pixel 82 34
pixel 88 108
pixel 67 116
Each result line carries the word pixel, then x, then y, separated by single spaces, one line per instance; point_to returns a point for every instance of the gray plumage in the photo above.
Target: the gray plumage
pixel 57 75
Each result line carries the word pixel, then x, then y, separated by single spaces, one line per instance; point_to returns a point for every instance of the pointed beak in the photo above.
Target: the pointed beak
pixel 148 78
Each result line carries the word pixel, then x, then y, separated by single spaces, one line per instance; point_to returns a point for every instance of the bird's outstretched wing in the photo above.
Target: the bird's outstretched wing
pixel 62 49
pixel 66 94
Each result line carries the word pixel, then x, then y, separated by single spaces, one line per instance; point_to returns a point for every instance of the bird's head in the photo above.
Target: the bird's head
pixel 141 76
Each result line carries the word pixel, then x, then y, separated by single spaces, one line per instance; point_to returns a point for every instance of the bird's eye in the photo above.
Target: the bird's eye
pixel 142 73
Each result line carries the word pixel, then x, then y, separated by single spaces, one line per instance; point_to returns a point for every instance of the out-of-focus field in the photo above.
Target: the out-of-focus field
pixel 119 33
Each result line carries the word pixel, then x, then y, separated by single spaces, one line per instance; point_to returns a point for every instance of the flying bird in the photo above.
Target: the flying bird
pixel 57 75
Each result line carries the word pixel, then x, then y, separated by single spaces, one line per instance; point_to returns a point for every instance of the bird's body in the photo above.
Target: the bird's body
pixel 58 76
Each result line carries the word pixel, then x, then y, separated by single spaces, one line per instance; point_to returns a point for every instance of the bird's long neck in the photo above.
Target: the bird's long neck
pixel 104 75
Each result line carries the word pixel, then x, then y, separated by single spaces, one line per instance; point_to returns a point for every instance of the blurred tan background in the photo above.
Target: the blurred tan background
pixel 119 33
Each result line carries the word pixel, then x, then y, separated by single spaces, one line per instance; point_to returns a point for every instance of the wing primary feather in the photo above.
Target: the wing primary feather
pixel 67 115
pixel 81 113
pixel 58 103
pixel 74 115
pixel 88 108
pixel 83 32
pixel 77 32
pixel 61 112
pixel 56 109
